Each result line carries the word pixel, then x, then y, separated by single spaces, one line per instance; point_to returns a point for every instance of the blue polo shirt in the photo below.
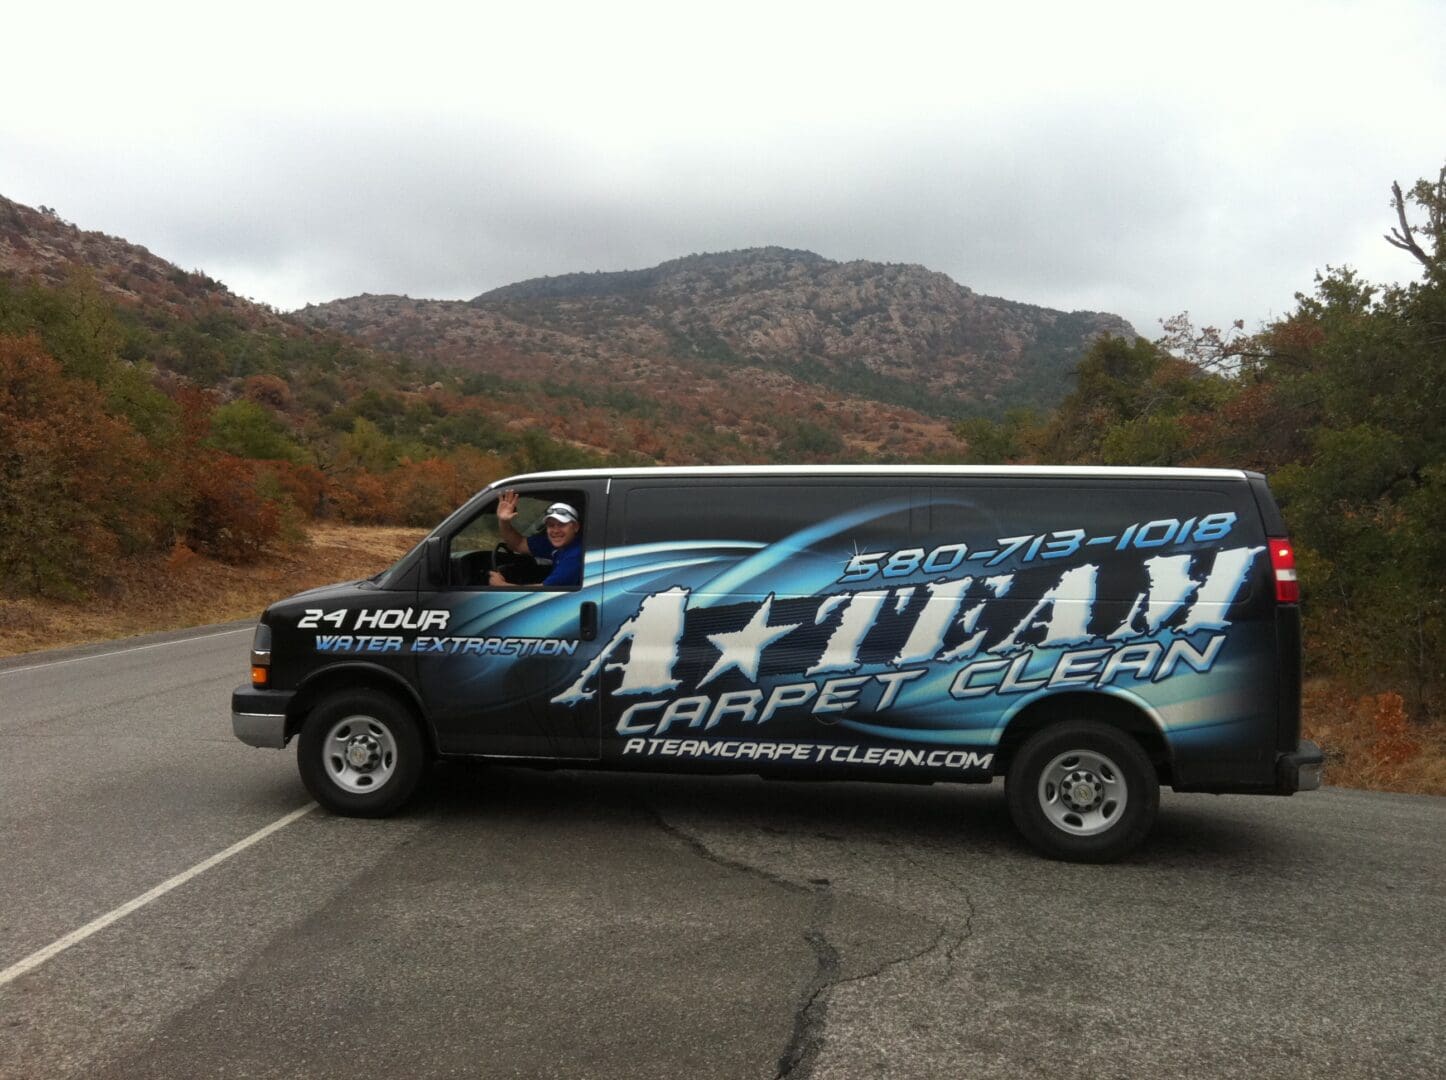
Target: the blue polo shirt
pixel 566 560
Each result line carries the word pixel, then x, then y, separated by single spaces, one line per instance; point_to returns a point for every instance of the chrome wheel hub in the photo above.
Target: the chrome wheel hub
pixel 1082 792
pixel 360 754
pixel 363 752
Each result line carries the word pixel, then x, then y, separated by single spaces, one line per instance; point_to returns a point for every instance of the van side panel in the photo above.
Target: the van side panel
pixel 823 624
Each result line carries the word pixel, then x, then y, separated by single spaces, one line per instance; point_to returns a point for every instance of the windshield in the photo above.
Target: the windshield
pixel 391 576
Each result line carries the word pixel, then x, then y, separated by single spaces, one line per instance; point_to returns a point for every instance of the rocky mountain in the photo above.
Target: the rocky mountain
pixel 760 355
pixel 893 333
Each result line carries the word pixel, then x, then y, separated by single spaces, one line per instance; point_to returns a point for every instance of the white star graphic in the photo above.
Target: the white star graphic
pixel 743 649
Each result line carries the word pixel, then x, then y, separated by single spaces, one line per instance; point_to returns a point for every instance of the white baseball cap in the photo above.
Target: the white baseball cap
pixel 561 511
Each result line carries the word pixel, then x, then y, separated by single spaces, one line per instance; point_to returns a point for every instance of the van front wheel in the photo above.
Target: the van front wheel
pixel 361 754
pixel 1083 791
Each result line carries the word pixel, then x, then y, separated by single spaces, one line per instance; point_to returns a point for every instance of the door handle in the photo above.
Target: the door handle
pixel 588 620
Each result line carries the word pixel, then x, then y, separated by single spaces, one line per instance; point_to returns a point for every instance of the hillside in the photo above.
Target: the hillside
pixel 896 334
pixel 458 375
pixel 760 355
pixel 39 246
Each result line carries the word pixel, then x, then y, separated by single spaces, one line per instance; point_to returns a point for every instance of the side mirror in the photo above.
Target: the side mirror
pixel 436 555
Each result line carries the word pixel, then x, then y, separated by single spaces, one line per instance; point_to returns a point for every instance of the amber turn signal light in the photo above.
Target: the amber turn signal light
pixel 259 675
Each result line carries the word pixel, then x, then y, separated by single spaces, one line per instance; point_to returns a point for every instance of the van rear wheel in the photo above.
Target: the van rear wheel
pixel 1083 792
pixel 361 754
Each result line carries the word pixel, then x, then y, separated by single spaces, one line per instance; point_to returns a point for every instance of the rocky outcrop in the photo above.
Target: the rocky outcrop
pixel 895 332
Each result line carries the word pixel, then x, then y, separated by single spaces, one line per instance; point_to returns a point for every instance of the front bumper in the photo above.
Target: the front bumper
pixel 258 717
pixel 1300 769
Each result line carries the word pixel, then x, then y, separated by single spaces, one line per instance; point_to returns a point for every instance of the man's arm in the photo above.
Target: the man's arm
pixel 506 511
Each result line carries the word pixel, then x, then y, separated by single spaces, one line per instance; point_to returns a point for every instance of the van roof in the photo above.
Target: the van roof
pixel 1077 471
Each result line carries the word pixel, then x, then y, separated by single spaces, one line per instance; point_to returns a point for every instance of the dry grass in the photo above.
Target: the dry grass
pixel 187 589
pixel 1370 743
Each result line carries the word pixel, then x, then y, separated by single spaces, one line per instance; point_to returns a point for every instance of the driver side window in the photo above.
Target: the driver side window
pixel 478 547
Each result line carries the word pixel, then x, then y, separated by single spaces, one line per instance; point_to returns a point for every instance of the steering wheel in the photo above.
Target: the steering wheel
pixel 504 558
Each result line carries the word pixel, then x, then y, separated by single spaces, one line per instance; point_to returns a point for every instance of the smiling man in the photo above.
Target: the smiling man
pixel 562 542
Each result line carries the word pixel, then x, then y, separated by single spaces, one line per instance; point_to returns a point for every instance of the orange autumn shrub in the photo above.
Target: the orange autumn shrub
pixel 232 516
pixel 79 489
pixel 1371 742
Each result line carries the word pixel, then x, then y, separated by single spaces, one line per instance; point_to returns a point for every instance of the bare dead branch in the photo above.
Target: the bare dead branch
pixel 1405 237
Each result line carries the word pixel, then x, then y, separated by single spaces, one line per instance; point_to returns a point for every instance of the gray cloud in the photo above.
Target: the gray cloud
pixel 1143 167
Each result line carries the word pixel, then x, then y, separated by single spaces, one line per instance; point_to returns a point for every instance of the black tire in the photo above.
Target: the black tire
pixel 1083 791
pixel 361 753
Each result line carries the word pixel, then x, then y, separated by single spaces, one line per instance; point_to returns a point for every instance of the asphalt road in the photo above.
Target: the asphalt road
pixel 518 923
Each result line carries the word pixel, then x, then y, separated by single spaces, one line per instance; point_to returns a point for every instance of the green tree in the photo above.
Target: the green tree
pixel 1366 367
pixel 987 442
pixel 76 324
pixel 249 430
pixel 366 447
pixel 803 440
pixel 1128 407
pixel 537 452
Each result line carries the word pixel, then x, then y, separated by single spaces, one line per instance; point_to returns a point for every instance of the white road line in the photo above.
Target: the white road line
pixel 35 959
pixel 133 648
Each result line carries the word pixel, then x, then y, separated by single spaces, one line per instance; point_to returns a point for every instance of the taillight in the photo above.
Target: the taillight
pixel 1282 561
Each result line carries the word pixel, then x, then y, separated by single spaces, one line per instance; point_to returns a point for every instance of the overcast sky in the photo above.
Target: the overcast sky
pixel 1115 157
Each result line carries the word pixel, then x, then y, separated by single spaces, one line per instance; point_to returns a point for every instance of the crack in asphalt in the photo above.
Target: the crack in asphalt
pixel 960 938
pixel 806 1039
pixel 803 1049
pixel 703 851
pixel 967 930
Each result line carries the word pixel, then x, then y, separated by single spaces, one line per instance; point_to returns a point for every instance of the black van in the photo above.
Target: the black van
pixel 1086 633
